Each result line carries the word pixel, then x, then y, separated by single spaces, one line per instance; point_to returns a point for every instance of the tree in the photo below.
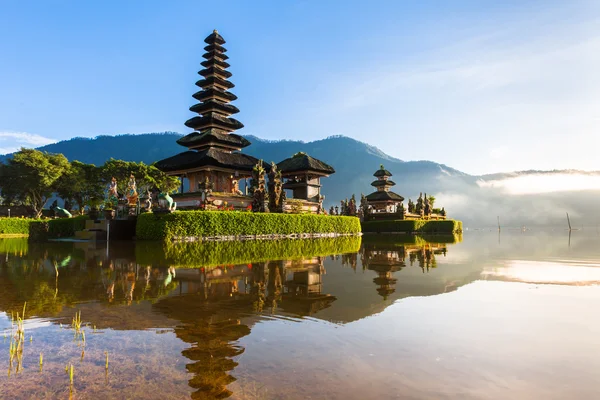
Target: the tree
pixel 431 201
pixel 30 176
pixel 81 183
pixel 146 176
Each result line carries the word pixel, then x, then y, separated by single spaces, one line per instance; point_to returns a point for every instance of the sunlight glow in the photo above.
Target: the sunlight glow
pixel 545 272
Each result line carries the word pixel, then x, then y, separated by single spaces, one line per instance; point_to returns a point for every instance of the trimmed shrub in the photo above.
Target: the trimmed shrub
pixel 227 223
pixel 41 230
pixel 214 253
pixel 413 226
pixel 15 226
pixel 66 227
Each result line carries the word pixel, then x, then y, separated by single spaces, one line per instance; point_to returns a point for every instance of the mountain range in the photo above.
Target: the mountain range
pixel 477 200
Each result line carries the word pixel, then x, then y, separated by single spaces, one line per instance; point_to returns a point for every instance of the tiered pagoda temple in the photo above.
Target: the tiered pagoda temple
pixel 383 200
pixel 213 148
pixel 302 175
pixel 213 166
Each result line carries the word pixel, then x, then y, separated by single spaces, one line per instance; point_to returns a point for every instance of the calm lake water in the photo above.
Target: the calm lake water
pixel 482 316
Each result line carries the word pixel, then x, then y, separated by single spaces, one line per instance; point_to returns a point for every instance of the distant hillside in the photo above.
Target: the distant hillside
pixel 463 195
pixel 354 161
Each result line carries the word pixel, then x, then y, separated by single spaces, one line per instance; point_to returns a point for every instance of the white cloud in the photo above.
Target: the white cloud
pixel 13 141
pixel 514 97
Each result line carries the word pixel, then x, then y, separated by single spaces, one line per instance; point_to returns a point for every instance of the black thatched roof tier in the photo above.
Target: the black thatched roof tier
pixel 378 183
pixel 215 54
pixel 214 61
pixel 214 106
pixel 215 47
pixel 213 120
pixel 209 136
pixel 210 157
pixel 214 80
pixel 304 162
pixel 382 172
pixel 211 93
pixel 214 38
pixel 384 196
pixel 215 71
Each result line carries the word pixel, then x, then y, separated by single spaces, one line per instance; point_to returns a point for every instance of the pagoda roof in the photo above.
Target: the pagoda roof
pixel 378 183
pixel 215 47
pixel 384 196
pixel 214 80
pixel 381 280
pixel 215 54
pixel 202 95
pixel 195 139
pixel 214 37
pixel 214 71
pixel 303 162
pixel 211 62
pixel 382 172
pixel 216 106
pixel 213 120
pixel 211 157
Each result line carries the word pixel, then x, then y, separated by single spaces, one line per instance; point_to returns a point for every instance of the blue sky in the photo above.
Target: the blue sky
pixel 482 86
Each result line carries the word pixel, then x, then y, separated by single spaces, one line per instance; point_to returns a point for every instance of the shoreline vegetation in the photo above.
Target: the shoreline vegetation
pixel 231 226
pixel 448 226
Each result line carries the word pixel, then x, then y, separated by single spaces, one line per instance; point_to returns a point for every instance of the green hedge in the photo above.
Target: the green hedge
pixel 410 239
pixel 230 223
pixel 41 230
pixel 214 253
pixel 413 226
pixel 14 226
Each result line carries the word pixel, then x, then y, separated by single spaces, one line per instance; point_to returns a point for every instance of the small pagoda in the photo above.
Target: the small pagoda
pixel 302 175
pixel 383 200
pixel 213 162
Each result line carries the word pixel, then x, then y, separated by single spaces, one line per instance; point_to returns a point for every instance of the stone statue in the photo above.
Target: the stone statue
pixel 364 205
pixel 426 206
pixel 60 212
pixel 276 192
pixel 401 210
pixel 257 188
pixel 113 195
pixel 419 206
pixel 166 202
pixel 148 202
pixel 331 211
pixel 131 194
pixel 320 209
pixel 337 210
pixel 352 206
pixel 258 199
pixel 443 212
pixel 235 186
pixel 411 206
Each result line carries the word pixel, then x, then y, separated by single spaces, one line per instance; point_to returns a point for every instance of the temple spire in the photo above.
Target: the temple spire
pixel 214 124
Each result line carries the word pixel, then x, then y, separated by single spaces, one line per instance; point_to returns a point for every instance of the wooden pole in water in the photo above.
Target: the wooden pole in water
pixel 569 222
pixel 498 223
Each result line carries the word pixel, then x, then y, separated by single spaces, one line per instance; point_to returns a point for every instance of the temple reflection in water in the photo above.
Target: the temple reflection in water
pixel 210 307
